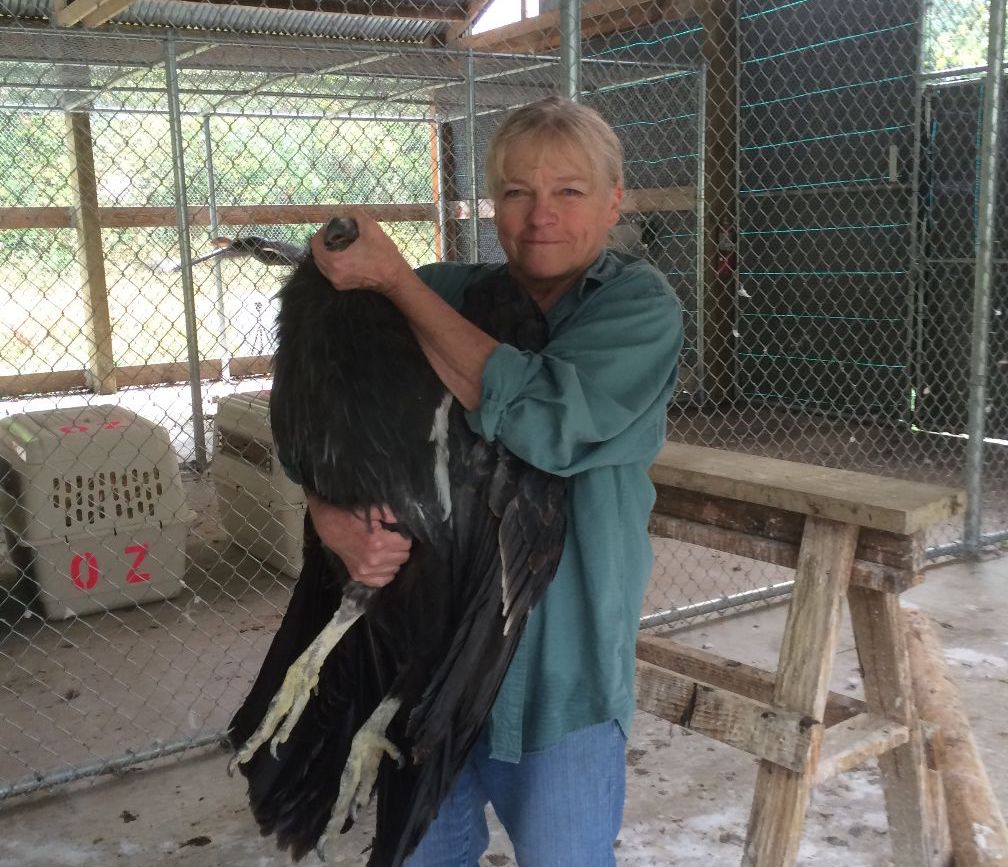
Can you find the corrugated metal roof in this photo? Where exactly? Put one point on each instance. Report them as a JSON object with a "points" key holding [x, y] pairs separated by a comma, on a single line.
{"points": [[252, 19]]}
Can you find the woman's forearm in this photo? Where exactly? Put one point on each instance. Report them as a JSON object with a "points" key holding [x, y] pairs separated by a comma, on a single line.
{"points": [[456, 349]]}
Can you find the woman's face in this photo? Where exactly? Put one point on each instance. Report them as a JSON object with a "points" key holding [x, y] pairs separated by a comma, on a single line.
{"points": [[553, 213]]}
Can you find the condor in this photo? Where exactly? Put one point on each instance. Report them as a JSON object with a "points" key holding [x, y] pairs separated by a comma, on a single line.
{"points": [[385, 690]]}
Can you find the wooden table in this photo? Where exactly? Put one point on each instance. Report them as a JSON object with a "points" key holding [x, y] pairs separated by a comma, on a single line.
{"points": [[845, 534]]}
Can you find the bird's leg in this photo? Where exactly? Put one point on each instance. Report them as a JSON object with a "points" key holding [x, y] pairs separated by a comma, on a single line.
{"points": [[299, 682], [361, 770]]}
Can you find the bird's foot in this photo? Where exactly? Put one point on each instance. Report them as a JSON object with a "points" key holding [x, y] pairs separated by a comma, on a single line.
{"points": [[360, 773], [286, 706]]}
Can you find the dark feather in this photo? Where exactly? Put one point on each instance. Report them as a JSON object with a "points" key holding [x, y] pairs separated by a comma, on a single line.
{"points": [[352, 410]]}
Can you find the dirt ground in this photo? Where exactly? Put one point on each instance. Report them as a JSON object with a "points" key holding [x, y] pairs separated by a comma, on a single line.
{"points": [[688, 797]]}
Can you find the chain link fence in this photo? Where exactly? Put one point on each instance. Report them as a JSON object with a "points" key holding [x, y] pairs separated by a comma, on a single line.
{"points": [[807, 174]]}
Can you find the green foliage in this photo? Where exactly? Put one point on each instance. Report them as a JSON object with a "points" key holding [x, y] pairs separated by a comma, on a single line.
{"points": [[955, 34], [256, 160]]}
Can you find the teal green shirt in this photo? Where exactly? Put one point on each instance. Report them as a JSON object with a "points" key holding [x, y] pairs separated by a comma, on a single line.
{"points": [[591, 407]]}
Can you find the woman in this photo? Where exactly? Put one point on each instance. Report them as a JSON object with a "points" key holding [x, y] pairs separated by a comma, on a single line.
{"points": [[590, 407]]}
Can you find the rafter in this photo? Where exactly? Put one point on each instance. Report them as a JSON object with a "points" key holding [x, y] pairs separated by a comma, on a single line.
{"points": [[90, 12], [476, 8]]}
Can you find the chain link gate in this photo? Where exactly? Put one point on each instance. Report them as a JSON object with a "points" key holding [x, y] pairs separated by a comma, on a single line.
{"points": [[805, 173]]}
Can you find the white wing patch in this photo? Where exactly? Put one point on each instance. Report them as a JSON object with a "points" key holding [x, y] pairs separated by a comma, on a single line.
{"points": [[439, 436]]}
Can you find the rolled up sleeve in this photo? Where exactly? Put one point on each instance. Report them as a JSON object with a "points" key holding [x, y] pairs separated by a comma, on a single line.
{"points": [[597, 394]]}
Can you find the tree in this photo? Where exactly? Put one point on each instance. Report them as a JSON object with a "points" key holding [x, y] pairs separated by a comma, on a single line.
{"points": [[955, 34]]}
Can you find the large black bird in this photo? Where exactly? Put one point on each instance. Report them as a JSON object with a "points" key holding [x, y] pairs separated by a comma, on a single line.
{"points": [[387, 689]]}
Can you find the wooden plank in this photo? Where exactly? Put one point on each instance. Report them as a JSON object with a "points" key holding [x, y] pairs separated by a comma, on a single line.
{"points": [[251, 365], [757, 728], [106, 10], [258, 215], [879, 502], [977, 830], [91, 256], [542, 33], [864, 573], [937, 819], [237, 215], [854, 741], [73, 12], [21, 384], [60, 381], [907, 553], [659, 199], [807, 651], [165, 373], [737, 677], [35, 218], [634, 201], [880, 637]]}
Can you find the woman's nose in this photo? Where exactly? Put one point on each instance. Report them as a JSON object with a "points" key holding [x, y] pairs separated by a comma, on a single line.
{"points": [[542, 210]]}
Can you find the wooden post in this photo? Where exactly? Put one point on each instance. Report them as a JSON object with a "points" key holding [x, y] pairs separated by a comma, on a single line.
{"points": [[976, 826], [885, 671], [99, 374], [802, 685], [720, 49], [449, 192], [436, 191]]}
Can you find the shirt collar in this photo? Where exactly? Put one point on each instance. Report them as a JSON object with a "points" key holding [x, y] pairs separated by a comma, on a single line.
{"points": [[604, 267]]}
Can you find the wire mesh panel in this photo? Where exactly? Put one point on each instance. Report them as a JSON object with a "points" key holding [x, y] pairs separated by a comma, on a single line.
{"points": [[804, 174], [823, 322], [949, 207], [100, 295]]}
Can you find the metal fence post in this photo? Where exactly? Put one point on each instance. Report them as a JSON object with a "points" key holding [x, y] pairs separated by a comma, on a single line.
{"points": [[984, 268], [471, 134], [185, 253], [222, 323], [570, 48], [701, 216]]}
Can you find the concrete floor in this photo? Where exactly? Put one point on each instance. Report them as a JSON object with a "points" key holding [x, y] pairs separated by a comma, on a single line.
{"points": [[688, 797]]}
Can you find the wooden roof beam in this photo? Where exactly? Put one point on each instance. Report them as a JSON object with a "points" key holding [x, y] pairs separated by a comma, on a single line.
{"points": [[91, 12], [476, 8]]}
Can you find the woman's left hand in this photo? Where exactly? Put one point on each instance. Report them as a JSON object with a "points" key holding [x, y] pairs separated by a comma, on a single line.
{"points": [[372, 262]]}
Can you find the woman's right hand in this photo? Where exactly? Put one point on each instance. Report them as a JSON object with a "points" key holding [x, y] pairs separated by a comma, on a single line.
{"points": [[371, 553]]}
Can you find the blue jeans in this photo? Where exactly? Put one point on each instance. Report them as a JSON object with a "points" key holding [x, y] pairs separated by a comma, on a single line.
{"points": [[561, 806]]}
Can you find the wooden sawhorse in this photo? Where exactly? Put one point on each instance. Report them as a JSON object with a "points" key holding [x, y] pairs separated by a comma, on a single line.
{"points": [[844, 533]]}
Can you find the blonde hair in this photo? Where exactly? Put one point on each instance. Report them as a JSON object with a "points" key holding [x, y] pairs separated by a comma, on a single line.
{"points": [[557, 121]]}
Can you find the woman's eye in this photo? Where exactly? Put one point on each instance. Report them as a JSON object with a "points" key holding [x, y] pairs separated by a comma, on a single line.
{"points": [[571, 191], [513, 193]]}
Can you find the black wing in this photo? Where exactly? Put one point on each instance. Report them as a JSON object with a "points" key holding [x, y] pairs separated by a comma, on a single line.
{"points": [[444, 632]]}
